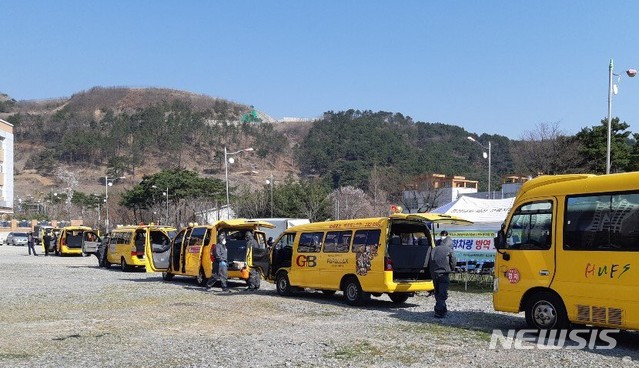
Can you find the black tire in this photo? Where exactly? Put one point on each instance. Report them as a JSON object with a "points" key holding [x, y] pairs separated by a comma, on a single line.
{"points": [[201, 278], [167, 276], [353, 293], [398, 298], [329, 292], [124, 266], [282, 284], [546, 311]]}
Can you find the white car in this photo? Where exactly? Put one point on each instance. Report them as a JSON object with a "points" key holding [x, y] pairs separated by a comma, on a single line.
{"points": [[17, 239]]}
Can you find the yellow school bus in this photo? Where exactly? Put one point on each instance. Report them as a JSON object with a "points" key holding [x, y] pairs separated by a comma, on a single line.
{"points": [[361, 257], [127, 244], [567, 252], [72, 238], [191, 251]]}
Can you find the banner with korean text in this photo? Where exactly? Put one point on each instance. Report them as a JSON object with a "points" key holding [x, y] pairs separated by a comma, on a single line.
{"points": [[473, 245]]}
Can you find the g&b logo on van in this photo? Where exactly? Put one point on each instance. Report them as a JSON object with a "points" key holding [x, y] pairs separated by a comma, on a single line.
{"points": [[306, 261]]}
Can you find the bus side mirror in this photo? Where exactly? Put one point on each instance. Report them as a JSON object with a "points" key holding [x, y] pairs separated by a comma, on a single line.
{"points": [[500, 240]]}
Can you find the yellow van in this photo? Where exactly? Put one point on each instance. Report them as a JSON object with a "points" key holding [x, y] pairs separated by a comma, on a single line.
{"points": [[72, 238], [191, 251], [127, 244], [361, 257]]}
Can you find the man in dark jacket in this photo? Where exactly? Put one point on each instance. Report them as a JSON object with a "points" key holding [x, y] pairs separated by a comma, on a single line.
{"points": [[442, 262], [220, 265]]}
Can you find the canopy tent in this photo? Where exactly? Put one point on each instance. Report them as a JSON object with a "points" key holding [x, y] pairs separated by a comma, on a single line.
{"points": [[485, 213], [475, 242]]}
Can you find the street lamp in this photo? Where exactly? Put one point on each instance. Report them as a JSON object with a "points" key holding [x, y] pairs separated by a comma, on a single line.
{"points": [[167, 201], [490, 155], [270, 182], [107, 184], [612, 89], [228, 160]]}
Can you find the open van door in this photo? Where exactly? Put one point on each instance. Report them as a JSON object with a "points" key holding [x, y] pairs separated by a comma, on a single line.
{"points": [[259, 258], [90, 243], [158, 252], [437, 218]]}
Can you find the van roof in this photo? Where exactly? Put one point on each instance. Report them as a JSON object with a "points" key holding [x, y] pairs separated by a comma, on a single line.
{"points": [[378, 221], [577, 184]]}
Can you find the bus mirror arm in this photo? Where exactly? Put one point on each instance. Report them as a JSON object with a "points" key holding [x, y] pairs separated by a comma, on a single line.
{"points": [[500, 243]]}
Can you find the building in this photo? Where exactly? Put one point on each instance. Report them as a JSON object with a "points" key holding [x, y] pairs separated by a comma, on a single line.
{"points": [[6, 167], [434, 190]]}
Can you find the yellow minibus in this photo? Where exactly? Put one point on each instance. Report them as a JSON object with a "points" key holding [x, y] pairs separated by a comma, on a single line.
{"points": [[72, 238], [191, 251], [361, 257], [567, 252], [127, 244]]}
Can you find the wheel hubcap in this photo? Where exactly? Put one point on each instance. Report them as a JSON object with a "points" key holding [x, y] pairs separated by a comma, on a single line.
{"points": [[283, 284], [351, 291], [544, 314]]}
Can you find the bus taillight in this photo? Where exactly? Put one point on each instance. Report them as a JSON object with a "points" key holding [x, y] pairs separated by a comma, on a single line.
{"points": [[388, 264]]}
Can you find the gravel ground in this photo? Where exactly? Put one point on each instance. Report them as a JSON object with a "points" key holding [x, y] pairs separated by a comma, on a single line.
{"points": [[67, 312]]}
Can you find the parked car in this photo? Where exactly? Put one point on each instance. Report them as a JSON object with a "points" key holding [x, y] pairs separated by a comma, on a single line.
{"points": [[17, 239]]}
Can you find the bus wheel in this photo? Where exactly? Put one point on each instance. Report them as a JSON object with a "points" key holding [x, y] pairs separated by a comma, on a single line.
{"points": [[328, 292], [166, 276], [201, 277], [546, 311], [282, 284], [398, 298], [123, 265], [353, 293]]}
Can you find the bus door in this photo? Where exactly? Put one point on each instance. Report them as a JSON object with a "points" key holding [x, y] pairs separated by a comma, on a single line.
{"points": [[158, 252], [527, 260], [258, 257], [194, 246], [282, 253]]}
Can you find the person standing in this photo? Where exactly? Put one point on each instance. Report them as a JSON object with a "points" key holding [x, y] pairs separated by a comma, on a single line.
{"points": [[220, 265], [253, 281], [442, 262], [31, 244], [46, 240]]}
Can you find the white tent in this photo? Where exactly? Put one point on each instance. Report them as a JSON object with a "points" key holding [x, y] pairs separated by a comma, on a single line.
{"points": [[478, 210]]}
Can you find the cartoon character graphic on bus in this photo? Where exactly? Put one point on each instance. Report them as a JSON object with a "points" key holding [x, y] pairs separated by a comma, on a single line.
{"points": [[363, 256]]}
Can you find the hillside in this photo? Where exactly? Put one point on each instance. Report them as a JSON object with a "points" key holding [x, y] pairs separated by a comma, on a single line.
{"points": [[71, 143]]}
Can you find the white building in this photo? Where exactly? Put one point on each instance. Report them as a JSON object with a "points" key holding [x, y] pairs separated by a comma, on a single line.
{"points": [[6, 167]]}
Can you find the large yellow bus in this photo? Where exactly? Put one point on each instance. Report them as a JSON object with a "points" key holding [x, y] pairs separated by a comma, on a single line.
{"points": [[568, 252], [361, 257]]}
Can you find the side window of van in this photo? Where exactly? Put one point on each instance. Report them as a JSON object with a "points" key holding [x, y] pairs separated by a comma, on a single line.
{"points": [[310, 242], [337, 241], [286, 241], [197, 236], [364, 238]]}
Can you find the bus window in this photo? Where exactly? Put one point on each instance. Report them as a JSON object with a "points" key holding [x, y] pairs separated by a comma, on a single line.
{"points": [[310, 242], [602, 222], [337, 241], [531, 227]]}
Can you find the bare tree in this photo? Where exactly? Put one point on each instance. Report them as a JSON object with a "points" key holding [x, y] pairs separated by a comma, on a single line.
{"points": [[378, 194], [350, 202], [546, 150]]}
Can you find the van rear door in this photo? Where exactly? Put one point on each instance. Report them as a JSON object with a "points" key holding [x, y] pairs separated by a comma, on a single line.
{"points": [[90, 243], [158, 252], [437, 218]]}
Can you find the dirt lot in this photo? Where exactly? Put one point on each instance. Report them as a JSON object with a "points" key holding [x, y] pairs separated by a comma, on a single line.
{"points": [[66, 312]]}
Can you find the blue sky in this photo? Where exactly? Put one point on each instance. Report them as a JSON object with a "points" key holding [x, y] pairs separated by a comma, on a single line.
{"points": [[499, 67]]}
